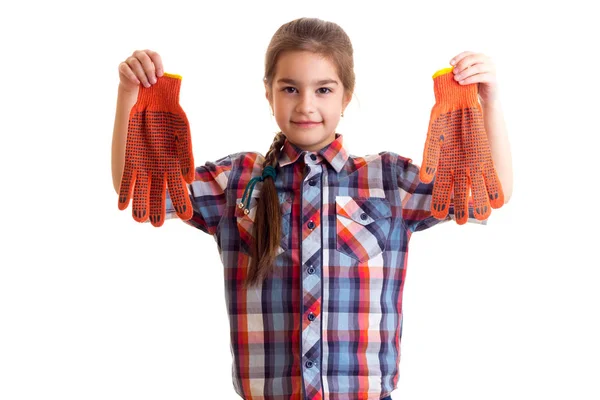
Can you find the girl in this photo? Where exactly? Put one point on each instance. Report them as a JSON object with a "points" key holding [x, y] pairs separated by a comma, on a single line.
{"points": [[313, 241]]}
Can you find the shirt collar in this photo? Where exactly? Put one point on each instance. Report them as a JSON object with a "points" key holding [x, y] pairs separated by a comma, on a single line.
{"points": [[334, 153]]}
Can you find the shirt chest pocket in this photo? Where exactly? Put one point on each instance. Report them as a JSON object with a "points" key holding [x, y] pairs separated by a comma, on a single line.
{"points": [[245, 222], [362, 226]]}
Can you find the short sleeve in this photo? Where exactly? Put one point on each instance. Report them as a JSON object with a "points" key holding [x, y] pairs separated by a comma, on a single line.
{"points": [[207, 194], [416, 199]]}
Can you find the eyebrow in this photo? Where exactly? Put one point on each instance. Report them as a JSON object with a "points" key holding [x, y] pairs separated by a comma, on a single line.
{"points": [[293, 82]]}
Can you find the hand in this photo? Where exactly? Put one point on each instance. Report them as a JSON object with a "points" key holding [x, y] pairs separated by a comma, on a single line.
{"points": [[477, 68], [458, 154], [142, 67], [158, 153]]}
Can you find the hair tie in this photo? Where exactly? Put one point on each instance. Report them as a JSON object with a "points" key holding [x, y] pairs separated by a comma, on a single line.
{"points": [[267, 171]]}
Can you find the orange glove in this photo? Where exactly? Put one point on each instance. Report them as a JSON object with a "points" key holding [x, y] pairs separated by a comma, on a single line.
{"points": [[158, 152], [457, 152]]}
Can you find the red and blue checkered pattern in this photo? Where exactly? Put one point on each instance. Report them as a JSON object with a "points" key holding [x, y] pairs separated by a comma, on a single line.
{"points": [[328, 323]]}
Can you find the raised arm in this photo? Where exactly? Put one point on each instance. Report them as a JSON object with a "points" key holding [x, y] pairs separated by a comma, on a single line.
{"points": [[495, 128]]}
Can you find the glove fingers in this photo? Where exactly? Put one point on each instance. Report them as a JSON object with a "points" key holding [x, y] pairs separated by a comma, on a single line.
{"points": [[183, 141], [126, 181], [480, 155], [442, 187], [479, 160], [446, 174], [140, 197], [157, 198], [132, 156], [461, 197], [179, 195], [481, 204], [494, 187], [431, 152]]}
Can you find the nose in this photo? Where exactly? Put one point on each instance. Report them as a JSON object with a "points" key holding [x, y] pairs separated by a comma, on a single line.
{"points": [[305, 103]]}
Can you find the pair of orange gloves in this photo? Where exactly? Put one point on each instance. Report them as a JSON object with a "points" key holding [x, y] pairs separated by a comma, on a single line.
{"points": [[159, 153]]}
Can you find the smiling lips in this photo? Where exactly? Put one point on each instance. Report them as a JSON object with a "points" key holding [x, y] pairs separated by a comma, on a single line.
{"points": [[306, 124]]}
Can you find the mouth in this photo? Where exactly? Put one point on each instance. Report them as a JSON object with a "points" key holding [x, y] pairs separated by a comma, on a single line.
{"points": [[306, 124]]}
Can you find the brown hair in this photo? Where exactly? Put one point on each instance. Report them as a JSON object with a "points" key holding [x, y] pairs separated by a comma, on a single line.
{"points": [[330, 41]]}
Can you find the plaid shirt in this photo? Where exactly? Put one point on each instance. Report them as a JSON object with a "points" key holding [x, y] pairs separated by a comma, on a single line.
{"points": [[328, 323]]}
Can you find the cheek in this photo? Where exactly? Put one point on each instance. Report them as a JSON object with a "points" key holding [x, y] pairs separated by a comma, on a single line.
{"points": [[333, 116], [281, 112], [281, 103], [281, 118]]}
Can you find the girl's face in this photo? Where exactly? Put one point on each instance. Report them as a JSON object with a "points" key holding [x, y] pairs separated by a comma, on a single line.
{"points": [[306, 88]]}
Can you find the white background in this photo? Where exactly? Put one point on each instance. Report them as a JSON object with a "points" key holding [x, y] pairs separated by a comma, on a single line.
{"points": [[94, 305]]}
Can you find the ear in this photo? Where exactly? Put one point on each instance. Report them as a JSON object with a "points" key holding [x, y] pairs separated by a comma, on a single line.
{"points": [[346, 100], [268, 95]]}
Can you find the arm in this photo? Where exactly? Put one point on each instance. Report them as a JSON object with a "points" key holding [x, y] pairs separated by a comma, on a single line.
{"points": [[125, 101], [500, 147]]}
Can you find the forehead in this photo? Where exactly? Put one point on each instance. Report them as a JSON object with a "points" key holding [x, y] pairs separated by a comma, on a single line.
{"points": [[304, 67]]}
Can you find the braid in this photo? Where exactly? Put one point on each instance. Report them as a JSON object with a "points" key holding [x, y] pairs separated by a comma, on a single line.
{"points": [[273, 154], [267, 232]]}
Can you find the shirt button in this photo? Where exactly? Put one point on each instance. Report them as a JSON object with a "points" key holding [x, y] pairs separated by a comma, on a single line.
{"points": [[311, 224], [311, 317], [313, 157], [312, 182], [363, 216], [311, 270], [309, 364]]}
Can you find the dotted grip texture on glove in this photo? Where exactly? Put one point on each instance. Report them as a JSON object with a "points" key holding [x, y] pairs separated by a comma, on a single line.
{"points": [[458, 154], [158, 153]]}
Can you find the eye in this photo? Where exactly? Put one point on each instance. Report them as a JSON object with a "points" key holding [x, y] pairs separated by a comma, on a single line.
{"points": [[327, 90]]}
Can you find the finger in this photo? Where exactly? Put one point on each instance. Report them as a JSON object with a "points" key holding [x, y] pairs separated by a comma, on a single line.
{"points": [[157, 61], [442, 187], [138, 70], [457, 58], [179, 194], [493, 186], [157, 198], [431, 152], [461, 197], [141, 196], [148, 64], [478, 78], [128, 178], [481, 204], [468, 61], [474, 69], [130, 168], [477, 67], [128, 73], [184, 148]]}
